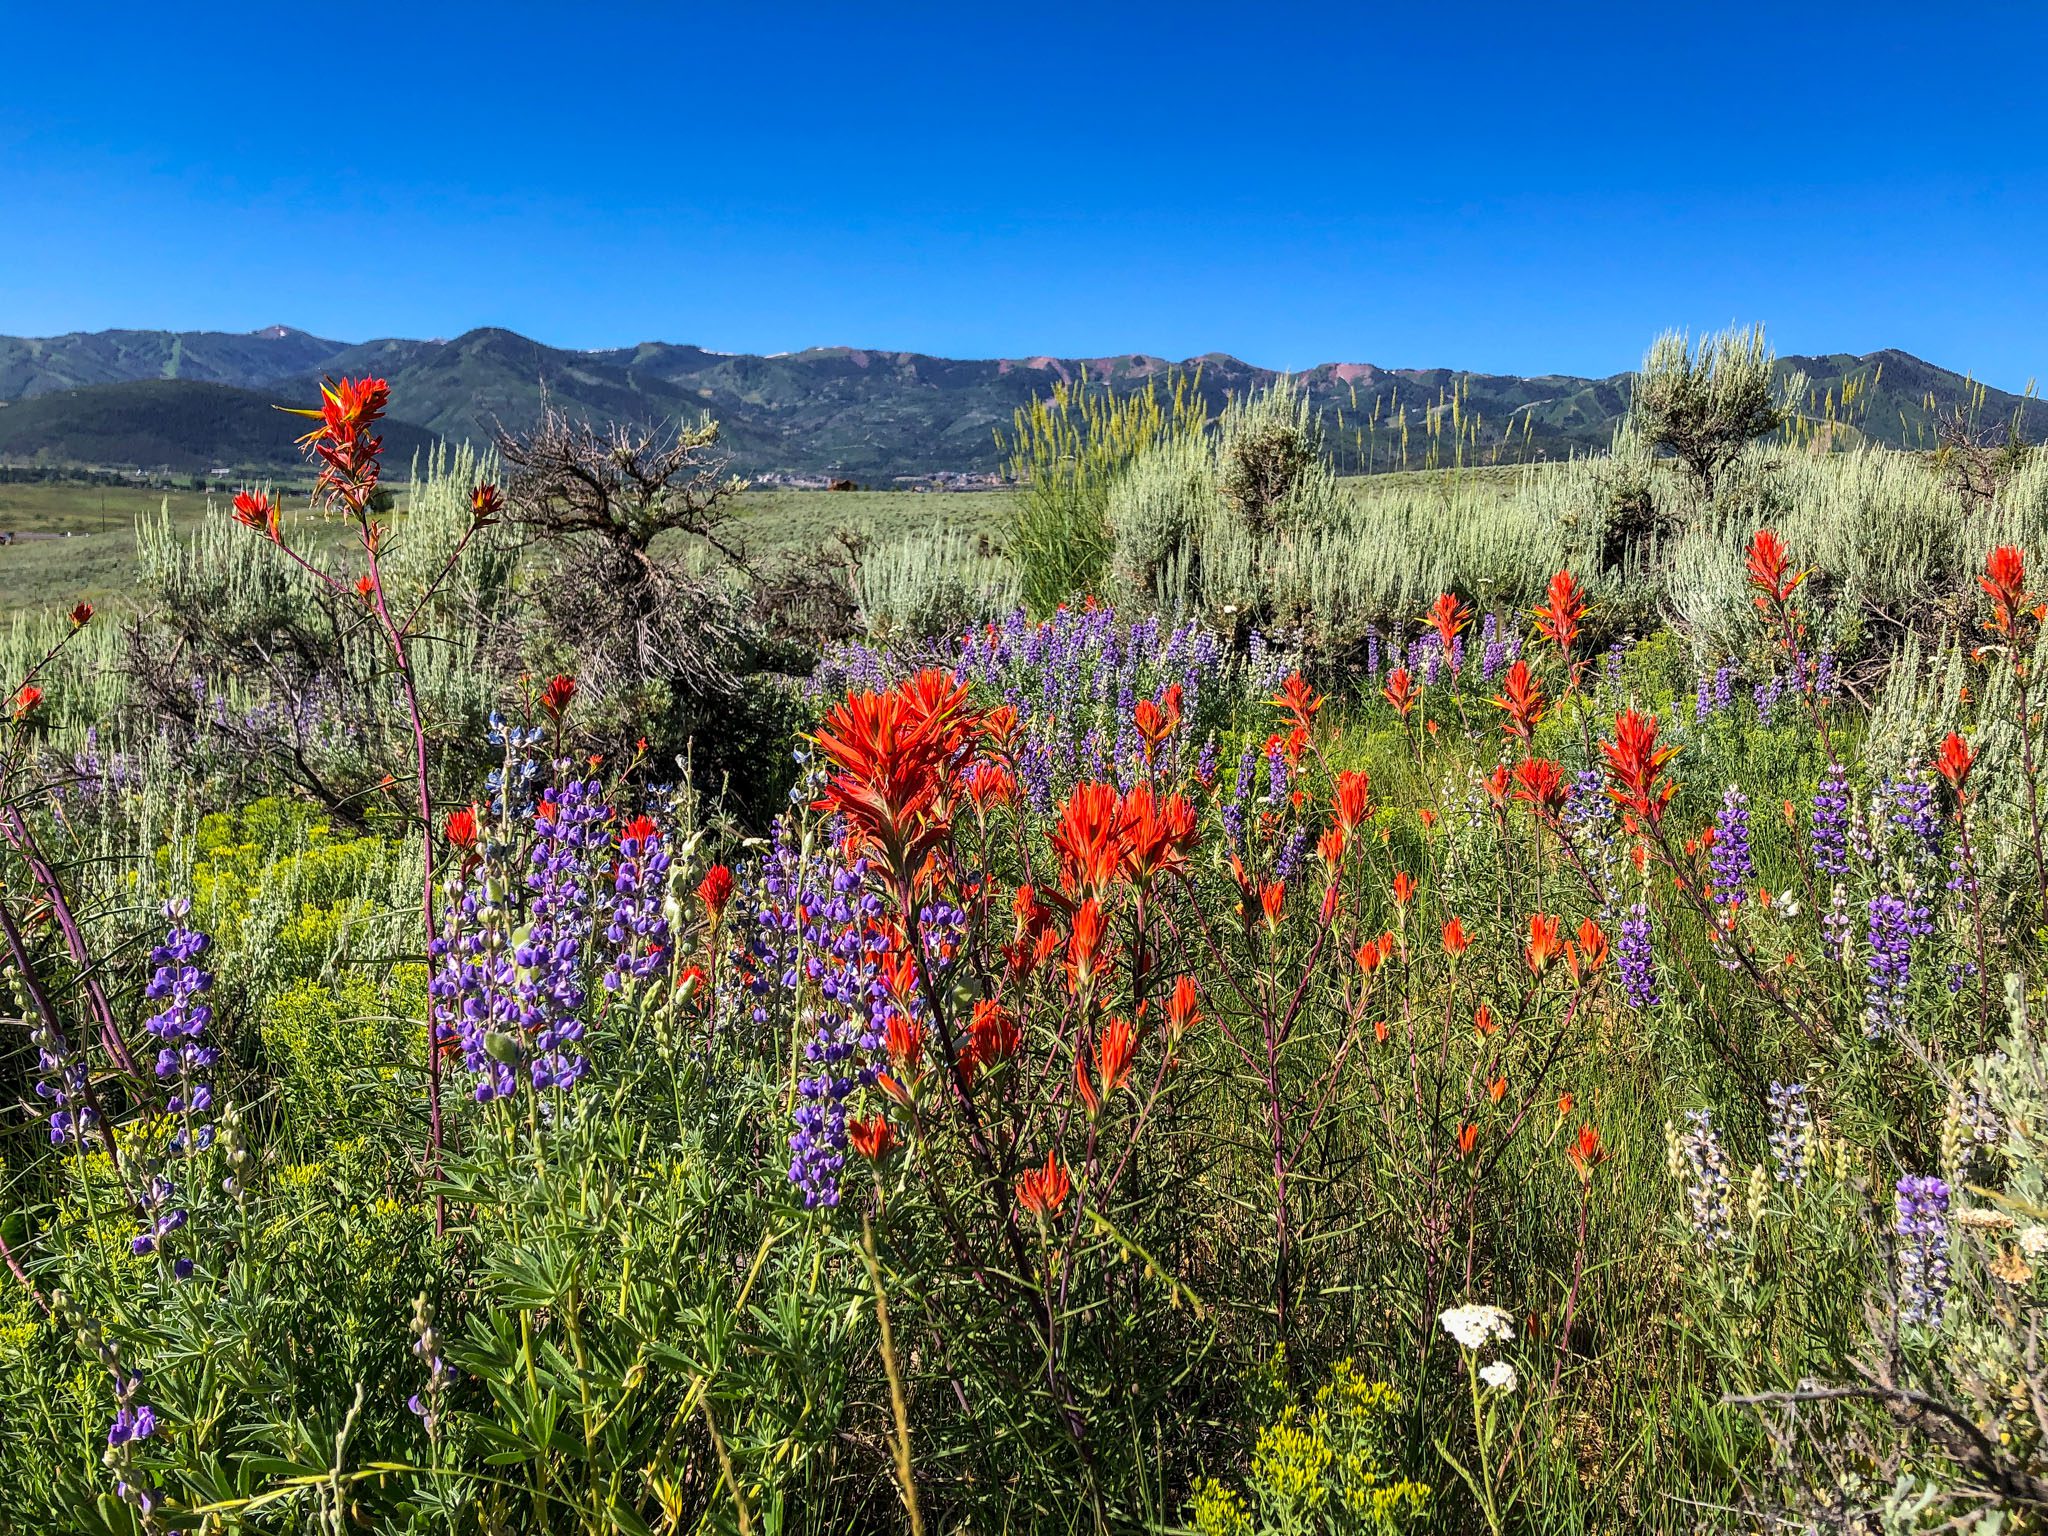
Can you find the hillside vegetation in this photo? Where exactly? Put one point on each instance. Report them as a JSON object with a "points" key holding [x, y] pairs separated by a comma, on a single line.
{"points": [[1206, 998], [873, 415]]}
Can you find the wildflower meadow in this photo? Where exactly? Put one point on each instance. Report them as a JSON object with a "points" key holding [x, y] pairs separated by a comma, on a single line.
{"points": [[1262, 1004]]}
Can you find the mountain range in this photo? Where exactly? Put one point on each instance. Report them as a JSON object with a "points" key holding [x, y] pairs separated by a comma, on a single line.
{"points": [[190, 400]]}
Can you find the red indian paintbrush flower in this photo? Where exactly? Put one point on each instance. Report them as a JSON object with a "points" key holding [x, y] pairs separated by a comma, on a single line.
{"points": [[1156, 834], [904, 1041], [1353, 798], [1118, 1046], [557, 696], [1042, 1191], [2005, 582], [1299, 700], [1404, 887], [1181, 1010], [26, 698], [1272, 898], [1084, 945], [460, 828], [1635, 765], [994, 1032], [1089, 839], [894, 752], [255, 509], [81, 615], [1468, 1138], [1585, 958], [1448, 617], [1456, 940], [873, 1138], [1546, 941], [1156, 722], [1954, 762], [343, 443], [1540, 785], [1483, 1021], [1770, 570], [1586, 1152], [1564, 605], [715, 890], [1521, 696], [1401, 691], [484, 504], [990, 784]]}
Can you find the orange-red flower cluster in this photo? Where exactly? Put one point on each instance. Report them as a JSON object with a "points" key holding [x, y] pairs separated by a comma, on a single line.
{"points": [[255, 509], [1635, 766], [1563, 606], [343, 443], [1103, 836], [895, 753], [2005, 582], [1521, 696], [1770, 570], [1401, 692], [1042, 1191]]}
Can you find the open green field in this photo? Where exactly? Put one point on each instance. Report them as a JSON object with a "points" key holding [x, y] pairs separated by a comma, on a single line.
{"points": [[72, 541]]}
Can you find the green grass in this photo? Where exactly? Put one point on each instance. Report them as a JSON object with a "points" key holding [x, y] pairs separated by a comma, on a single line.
{"points": [[76, 541]]}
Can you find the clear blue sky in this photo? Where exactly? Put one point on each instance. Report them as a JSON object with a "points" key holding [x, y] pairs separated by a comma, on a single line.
{"points": [[1515, 188]]}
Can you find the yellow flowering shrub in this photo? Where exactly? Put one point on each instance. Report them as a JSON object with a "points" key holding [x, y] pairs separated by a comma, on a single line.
{"points": [[1323, 1471]]}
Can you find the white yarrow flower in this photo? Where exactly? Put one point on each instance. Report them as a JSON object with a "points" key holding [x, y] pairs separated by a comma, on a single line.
{"points": [[1474, 1323], [2034, 1242], [1499, 1375]]}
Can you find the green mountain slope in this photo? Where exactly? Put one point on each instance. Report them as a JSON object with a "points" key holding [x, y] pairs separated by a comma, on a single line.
{"points": [[874, 415], [182, 425]]}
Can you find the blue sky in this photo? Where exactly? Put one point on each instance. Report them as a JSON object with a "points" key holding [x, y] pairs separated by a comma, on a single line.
{"points": [[1510, 188]]}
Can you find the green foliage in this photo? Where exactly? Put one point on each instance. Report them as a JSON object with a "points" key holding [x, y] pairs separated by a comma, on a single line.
{"points": [[1707, 403], [1326, 1471], [1065, 452]]}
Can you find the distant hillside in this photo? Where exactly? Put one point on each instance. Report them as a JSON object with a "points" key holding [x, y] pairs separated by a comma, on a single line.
{"points": [[182, 425], [871, 415]]}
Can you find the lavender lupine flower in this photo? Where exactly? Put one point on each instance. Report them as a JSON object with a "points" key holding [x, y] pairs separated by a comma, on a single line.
{"points": [[1276, 776], [834, 947], [1234, 811], [1894, 922], [474, 984], [570, 829], [158, 1209], [1824, 676], [1915, 812], [1587, 802], [638, 929], [180, 985], [430, 1402], [134, 1422], [1288, 860], [1493, 654], [1637, 961], [514, 775], [1922, 1231], [1767, 694], [1729, 857], [1372, 652], [1703, 700], [1612, 663], [1791, 1133], [1701, 1165], [61, 1080], [1831, 822], [1834, 925]]}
